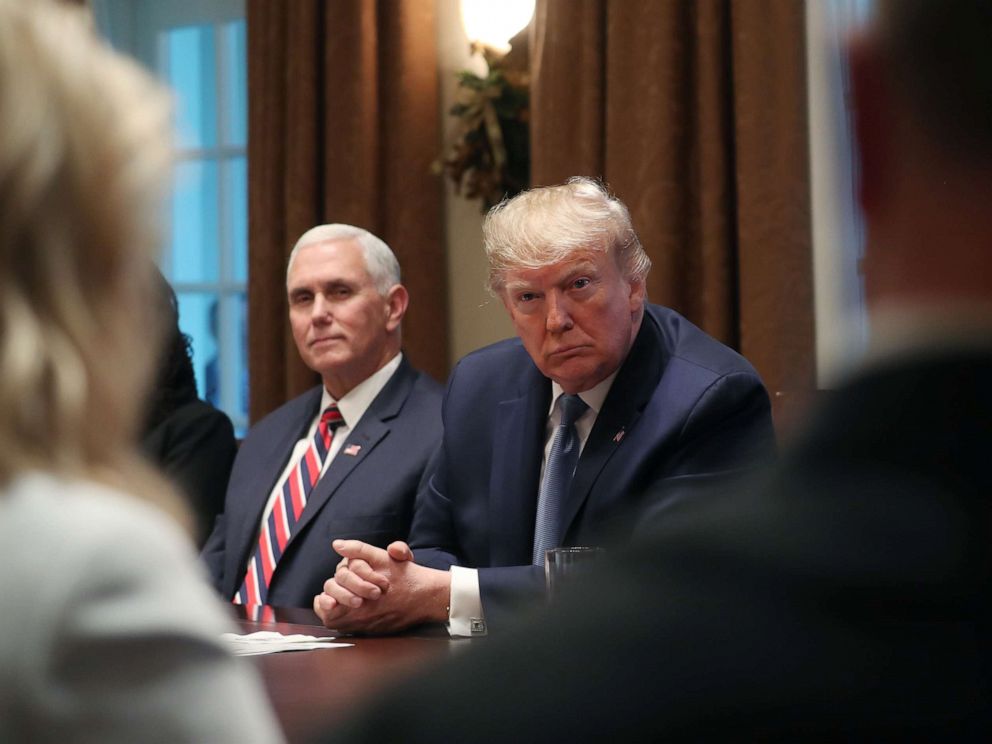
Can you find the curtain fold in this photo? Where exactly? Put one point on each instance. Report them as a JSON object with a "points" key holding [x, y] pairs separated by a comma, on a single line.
{"points": [[343, 127], [694, 113]]}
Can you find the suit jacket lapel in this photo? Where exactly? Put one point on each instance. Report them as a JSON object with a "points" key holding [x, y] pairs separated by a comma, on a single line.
{"points": [[516, 469], [369, 431], [630, 393], [272, 462]]}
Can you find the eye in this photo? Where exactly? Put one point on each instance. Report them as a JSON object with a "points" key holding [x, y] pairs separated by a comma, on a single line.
{"points": [[526, 297], [581, 283], [341, 292], [300, 298]]}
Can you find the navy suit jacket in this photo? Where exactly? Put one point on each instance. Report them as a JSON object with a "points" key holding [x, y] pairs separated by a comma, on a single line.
{"points": [[683, 410], [368, 496]]}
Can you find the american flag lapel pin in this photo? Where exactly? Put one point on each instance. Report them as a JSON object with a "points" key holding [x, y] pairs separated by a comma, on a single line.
{"points": [[353, 449], [619, 436]]}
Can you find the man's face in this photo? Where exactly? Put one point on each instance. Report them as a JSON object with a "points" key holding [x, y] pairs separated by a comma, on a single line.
{"points": [[577, 318], [341, 324]]}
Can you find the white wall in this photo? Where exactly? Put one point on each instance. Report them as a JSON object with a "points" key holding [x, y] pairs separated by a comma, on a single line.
{"points": [[840, 315], [475, 317]]}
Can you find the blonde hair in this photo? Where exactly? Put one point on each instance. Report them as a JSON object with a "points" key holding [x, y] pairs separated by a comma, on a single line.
{"points": [[546, 225], [84, 160]]}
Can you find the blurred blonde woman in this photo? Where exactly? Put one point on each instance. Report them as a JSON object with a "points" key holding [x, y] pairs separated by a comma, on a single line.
{"points": [[106, 632]]}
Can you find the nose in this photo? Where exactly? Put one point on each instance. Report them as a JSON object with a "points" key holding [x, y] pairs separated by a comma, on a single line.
{"points": [[321, 309], [558, 318]]}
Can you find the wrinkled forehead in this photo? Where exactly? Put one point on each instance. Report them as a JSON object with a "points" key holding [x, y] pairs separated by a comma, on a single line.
{"points": [[577, 262], [559, 257]]}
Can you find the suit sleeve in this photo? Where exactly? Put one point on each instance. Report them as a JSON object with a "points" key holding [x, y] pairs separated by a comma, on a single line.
{"points": [[432, 533], [200, 462], [727, 433], [212, 554]]}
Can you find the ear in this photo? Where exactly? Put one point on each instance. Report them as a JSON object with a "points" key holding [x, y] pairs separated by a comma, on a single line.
{"points": [[638, 291], [397, 301], [873, 112]]}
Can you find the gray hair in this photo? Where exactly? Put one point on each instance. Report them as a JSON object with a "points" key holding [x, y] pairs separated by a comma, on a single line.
{"points": [[380, 261], [546, 225]]}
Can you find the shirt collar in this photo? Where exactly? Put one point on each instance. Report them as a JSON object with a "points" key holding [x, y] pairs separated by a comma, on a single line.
{"points": [[356, 401], [593, 397]]}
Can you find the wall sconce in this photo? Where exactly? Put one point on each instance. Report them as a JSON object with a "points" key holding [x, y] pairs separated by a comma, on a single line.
{"points": [[493, 23], [490, 156]]}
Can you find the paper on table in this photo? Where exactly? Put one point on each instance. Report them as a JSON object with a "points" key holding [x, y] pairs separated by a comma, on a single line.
{"points": [[271, 642]]}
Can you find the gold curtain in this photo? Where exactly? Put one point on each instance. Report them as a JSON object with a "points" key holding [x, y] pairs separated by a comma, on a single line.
{"points": [[694, 113], [343, 127]]}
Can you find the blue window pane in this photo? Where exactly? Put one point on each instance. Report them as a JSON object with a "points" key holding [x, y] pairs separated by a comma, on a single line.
{"points": [[191, 72], [241, 358], [198, 319], [194, 255], [237, 191], [235, 86]]}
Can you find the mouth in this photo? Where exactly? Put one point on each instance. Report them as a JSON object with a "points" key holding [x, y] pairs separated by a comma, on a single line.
{"points": [[563, 352], [325, 341]]}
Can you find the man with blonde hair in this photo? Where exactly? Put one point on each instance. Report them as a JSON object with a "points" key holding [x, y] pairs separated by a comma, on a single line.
{"points": [[343, 459], [845, 597], [552, 438]]}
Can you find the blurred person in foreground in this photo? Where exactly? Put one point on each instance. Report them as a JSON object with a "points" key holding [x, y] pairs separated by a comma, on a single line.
{"points": [[847, 596], [553, 437], [188, 438], [109, 633]]}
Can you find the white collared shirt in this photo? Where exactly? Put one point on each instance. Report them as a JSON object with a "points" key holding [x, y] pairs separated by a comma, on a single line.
{"points": [[465, 616], [353, 406], [583, 424]]}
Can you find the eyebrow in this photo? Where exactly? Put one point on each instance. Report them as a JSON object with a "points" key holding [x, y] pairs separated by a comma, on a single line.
{"points": [[585, 267], [323, 286]]}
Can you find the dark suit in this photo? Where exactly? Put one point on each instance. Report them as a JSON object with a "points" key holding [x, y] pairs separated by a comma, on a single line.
{"points": [[843, 596], [194, 444], [683, 410], [368, 496]]}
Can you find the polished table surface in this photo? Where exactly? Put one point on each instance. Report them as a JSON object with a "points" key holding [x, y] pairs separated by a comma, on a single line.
{"points": [[312, 690]]}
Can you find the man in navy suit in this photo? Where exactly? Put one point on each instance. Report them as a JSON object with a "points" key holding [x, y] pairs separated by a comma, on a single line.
{"points": [[664, 408], [845, 595], [346, 304]]}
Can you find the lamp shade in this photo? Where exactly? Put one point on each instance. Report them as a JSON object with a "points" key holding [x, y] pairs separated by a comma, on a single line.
{"points": [[493, 22]]}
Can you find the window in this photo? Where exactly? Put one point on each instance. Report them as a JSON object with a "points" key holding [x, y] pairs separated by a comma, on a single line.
{"points": [[838, 229], [198, 49]]}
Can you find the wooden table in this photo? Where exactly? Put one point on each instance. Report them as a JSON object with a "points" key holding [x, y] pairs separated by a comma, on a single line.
{"points": [[311, 690]]}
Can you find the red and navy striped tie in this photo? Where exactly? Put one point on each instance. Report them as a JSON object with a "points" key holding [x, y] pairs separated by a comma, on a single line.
{"points": [[279, 527]]}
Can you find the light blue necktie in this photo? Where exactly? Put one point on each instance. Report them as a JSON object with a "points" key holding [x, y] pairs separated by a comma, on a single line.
{"points": [[557, 476]]}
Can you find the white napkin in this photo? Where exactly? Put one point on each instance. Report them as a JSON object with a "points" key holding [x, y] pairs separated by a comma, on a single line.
{"points": [[271, 642]]}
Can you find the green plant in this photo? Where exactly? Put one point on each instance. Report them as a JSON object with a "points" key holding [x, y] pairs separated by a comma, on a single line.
{"points": [[489, 158]]}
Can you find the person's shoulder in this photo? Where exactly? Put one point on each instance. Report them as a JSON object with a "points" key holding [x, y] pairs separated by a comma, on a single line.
{"points": [[302, 407], [74, 514], [499, 358], [96, 541], [425, 386], [418, 398], [197, 419], [690, 345], [198, 409]]}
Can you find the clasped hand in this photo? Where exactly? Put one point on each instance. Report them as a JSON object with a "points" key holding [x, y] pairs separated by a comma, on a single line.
{"points": [[381, 591]]}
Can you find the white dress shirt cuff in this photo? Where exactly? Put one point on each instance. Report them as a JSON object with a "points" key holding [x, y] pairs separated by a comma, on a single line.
{"points": [[465, 616]]}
